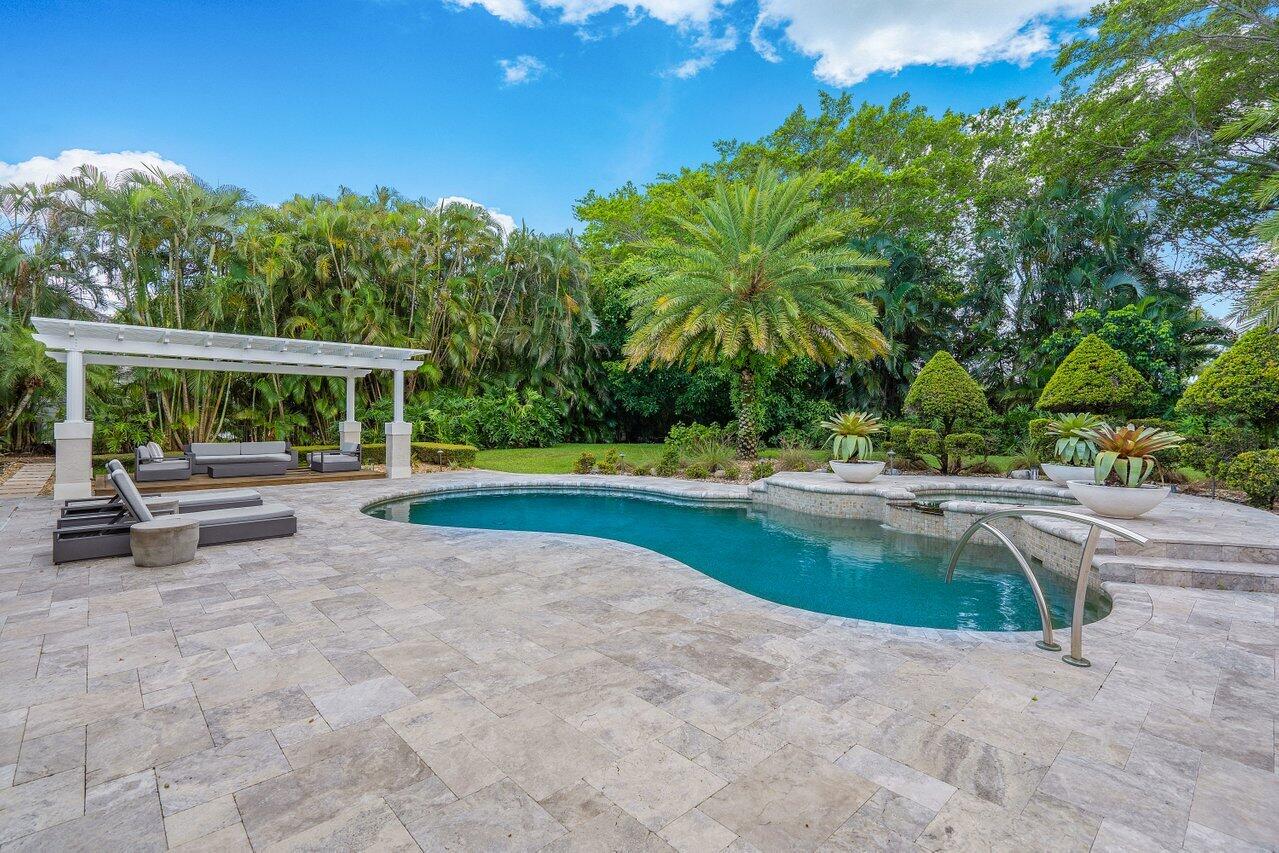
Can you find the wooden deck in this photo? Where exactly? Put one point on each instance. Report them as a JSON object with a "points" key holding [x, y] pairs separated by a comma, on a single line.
{"points": [[296, 477]]}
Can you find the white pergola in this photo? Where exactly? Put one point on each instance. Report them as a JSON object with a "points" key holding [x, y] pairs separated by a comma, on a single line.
{"points": [[77, 343]]}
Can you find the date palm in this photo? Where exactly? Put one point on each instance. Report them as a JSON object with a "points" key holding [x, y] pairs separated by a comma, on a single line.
{"points": [[754, 275]]}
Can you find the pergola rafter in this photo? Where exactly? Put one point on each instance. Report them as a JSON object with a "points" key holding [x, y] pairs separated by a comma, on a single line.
{"points": [[77, 343]]}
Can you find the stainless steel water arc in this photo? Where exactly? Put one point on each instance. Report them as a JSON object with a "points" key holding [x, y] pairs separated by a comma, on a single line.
{"points": [[1095, 526]]}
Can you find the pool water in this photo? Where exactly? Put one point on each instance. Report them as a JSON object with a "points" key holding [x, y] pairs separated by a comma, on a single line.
{"points": [[841, 567]]}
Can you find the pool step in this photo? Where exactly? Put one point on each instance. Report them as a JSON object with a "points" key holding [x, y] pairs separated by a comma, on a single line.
{"points": [[1183, 572]]}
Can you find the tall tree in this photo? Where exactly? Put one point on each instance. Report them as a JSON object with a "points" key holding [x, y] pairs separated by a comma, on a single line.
{"points": [[754, 275]]}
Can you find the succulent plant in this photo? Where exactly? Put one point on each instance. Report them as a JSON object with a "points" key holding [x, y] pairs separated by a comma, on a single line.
{"points": [[850, 435], [1073, 432], [1126, 456]]}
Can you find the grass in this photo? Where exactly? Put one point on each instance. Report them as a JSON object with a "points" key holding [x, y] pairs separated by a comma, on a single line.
{"points": [[560, 458]]}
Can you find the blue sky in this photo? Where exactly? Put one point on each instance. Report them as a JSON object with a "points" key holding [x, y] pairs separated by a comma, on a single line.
{"points": [[308, 96]]}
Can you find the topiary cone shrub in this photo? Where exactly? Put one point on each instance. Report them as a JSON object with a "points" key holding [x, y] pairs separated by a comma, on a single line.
{"points": [[1096, 377], [943, 391], [1241, 385]]}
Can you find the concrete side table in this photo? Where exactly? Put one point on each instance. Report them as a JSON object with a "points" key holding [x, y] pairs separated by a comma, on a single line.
{"points": [[165, 541]]}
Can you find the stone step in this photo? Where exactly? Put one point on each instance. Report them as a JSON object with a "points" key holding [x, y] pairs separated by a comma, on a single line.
{"points": [[1242, 576]]}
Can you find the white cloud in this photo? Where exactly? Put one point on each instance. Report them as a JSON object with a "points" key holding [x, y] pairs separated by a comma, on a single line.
{"points": [[42, 170], [511, 11], [681, 13], [504, 222], [852, 39], [522, 69], [707, 49]]}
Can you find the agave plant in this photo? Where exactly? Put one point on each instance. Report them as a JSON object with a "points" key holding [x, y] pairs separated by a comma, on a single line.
{"points": [[1074, 437], [1126, 456], [850, 435]]}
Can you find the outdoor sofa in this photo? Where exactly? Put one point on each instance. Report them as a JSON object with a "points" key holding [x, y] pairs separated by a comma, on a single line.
{"points": [[348, 457], [217, 526], [241, 459], [150, 465]]}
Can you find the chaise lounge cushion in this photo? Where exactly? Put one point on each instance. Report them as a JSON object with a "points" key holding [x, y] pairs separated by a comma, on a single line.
{"points": [[244, 513]]}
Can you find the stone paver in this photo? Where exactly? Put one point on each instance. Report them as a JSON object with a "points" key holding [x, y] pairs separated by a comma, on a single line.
{"points": [[369, 684]]}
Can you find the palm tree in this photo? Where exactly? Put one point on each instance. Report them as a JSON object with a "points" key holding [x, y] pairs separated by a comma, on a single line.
{"points": [[754, 275]]}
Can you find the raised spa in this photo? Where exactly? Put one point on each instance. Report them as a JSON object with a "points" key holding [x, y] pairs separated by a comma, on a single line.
{"points": [[841, 567]]}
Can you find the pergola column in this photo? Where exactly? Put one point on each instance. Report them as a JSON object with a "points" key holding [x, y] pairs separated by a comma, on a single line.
{"points": [[73, 438], [349, 432], [399, 435]]}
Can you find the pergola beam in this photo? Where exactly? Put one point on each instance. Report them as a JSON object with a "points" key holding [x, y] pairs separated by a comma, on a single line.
{"points": [[211, 364], [299, 356]]}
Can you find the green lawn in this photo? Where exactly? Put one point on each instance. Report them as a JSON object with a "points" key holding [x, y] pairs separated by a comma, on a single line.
{"points": [[560, 458]]}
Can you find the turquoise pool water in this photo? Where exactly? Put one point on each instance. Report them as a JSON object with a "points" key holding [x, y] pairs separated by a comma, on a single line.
{"points": [[837, 566]]}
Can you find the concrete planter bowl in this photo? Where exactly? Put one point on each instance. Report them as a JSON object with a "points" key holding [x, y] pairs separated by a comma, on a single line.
{"points": [[1062, 474], [1117, 501], [856, 472]]}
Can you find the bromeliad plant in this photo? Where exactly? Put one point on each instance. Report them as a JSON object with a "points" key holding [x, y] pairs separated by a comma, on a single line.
{"points": [[850, 435], [1073, 431], [1126, 456]]}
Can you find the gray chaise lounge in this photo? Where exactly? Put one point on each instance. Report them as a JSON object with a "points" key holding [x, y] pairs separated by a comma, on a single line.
{"points": [[241, 524], [82, 511], [241, 459], [348, 457], [150, 465]]}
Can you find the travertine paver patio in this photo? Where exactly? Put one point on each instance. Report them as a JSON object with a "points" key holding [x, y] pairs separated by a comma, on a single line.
{"points": [[373, 684]]}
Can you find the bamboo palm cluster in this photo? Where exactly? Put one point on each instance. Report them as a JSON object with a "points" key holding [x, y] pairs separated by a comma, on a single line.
{"points": [[497, 310]]}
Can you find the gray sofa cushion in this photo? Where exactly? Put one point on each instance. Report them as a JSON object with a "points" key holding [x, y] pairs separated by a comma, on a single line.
{"points": [[200, 450], [264, 457], [245, 513], [213, 458], [144, 453], [167, 465], [157, 453], [349, 447], [257, 448]]}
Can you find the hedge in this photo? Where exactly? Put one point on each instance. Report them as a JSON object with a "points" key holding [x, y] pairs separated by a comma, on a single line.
{"points": [[460, 455], [944, 391], [1096, 377]]}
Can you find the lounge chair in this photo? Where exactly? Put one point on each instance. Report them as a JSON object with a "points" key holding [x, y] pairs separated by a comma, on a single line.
{"points": [[150, 465], [348, 457], [218, 526], [81, 511]]}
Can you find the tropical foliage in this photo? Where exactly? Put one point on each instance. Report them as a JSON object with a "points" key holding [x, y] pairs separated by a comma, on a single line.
{"points": [[1073, 431], [850, 435], [752, 277], [513, 313], [1126, 455]]}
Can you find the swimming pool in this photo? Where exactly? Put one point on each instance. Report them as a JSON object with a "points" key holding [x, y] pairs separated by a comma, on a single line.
{"points": [[841, 567]]}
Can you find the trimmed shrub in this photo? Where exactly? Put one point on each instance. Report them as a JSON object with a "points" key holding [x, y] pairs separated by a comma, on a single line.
{"points": [[964, 445], [1241, 385], [731, 471], [695, 472], [609, 463], [585, 464], [1096, 377], [924, 441], [1040, 440], [944, 392], [761, 470], [899, 443], [668, 462], [1256, 474]]}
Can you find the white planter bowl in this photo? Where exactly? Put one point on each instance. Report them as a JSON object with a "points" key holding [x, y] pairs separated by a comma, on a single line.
{"points": [[1117, 501], [1061, 474], [856, 472]]}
